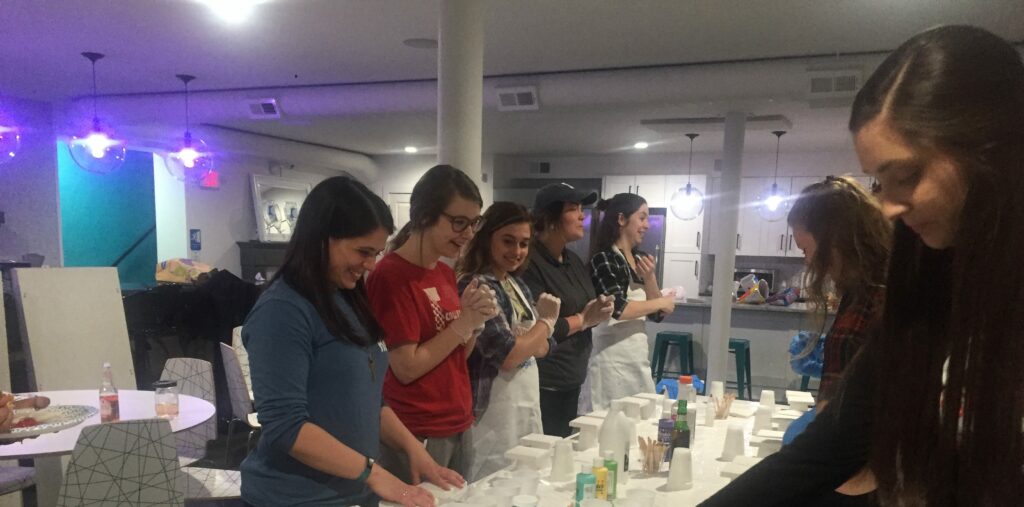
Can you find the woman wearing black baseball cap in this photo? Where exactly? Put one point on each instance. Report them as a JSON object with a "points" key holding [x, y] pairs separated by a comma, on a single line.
{"points": [[554, 269]]}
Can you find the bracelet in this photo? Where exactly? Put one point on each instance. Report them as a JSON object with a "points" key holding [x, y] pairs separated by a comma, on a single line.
{"points": [[366, 472]]}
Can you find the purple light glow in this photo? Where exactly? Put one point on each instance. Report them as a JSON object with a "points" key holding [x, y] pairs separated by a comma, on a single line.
{"points": [[10, 142]]}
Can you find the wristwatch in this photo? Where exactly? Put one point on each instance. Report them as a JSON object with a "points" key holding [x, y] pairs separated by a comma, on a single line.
{"points": [[366, 473]]}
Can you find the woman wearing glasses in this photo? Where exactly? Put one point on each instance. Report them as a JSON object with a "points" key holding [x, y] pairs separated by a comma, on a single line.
{"points": [[428, 328]]}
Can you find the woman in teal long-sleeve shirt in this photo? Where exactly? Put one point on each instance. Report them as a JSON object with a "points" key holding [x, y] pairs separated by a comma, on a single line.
{"points": [[318, 367]]}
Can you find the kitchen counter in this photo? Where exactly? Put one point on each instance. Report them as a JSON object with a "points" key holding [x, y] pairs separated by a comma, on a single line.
{"points": [[769, 329], [706, 303]]}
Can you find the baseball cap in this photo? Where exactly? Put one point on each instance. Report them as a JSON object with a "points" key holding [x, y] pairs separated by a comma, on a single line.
{"points": [[563, 192]]}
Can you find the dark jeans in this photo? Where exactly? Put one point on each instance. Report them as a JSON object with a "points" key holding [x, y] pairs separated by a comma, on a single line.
{"points": [[557, 409]]}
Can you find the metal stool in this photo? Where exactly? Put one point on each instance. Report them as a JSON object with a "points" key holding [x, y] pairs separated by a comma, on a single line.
{"points": [[684, 346], [744, 380]]}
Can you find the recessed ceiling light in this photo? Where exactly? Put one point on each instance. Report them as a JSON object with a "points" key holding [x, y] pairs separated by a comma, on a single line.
{"points": [[232, 11], [640, 145], [420, 43], [411, 149]]}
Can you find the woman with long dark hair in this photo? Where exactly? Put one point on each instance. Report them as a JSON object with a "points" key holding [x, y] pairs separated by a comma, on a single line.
{"points": [[934, 404], [428, 328], [620, 364], [502, 369], [554, 269], [317, 364]]}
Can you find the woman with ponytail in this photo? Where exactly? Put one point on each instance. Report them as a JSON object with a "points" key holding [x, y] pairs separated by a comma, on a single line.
{"points": [[429, 329], [620, 363]]}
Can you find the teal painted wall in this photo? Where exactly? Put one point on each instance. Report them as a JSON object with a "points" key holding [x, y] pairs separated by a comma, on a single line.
{"points": [[103, 215]]}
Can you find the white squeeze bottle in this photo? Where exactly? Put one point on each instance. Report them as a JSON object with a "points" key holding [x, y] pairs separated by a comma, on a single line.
{"points": [[109, 408]]}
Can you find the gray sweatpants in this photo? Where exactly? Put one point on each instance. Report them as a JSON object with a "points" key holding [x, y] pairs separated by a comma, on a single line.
{"points": [[450, 452]]}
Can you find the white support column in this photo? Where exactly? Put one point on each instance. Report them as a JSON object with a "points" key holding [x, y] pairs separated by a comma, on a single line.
{"points": [[460, 72], [725, 260]]}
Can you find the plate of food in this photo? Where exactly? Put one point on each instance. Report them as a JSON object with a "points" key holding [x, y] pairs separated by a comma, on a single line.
{"points": [[34, 416]]}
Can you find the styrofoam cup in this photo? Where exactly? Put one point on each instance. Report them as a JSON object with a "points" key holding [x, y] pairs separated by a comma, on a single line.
{"points": [[734, 445], [680, 473]]}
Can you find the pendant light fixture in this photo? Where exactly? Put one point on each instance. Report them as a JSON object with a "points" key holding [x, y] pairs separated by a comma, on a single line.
{"points": [[687, 203], [97, 151], [773, 204], [192, 162], [10, 139]]}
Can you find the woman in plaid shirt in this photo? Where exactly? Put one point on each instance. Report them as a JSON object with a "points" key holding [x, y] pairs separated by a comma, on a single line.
{"points": [[502, 369], [845, 239], [620, 364]]}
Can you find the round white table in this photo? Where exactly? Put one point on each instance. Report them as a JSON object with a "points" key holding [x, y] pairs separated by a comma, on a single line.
{"points": [[47, 449]]}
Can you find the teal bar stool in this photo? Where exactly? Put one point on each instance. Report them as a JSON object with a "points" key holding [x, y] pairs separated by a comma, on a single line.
{"points": [[805, 381], [744, 380], [683, 342]]}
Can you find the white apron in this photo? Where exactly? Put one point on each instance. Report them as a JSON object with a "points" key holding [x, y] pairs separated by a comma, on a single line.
{"points": [[620, 363], [512, 413]]}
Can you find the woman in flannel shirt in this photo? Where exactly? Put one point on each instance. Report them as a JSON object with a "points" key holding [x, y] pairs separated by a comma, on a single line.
{"points": [[502, 370], [620, 363], [845, 239]]}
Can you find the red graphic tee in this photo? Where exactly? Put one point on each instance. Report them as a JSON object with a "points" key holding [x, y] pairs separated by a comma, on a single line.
{"points": [[414, 304]]}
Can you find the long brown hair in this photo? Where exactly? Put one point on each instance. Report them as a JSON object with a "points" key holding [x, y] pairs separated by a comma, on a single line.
{"points": [[958, 91], [434, 191], [853, 237], [337, 208], [477, 258]]}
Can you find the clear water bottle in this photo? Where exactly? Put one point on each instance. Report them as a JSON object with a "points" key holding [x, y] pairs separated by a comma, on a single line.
{"points": [[109, 408]]}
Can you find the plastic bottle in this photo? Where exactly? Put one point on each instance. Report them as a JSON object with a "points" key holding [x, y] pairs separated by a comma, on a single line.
{"points": [[680, 437], [611, 436], [600, 478], [586, 485], [109, 408], [613, 474], [665, 426]]}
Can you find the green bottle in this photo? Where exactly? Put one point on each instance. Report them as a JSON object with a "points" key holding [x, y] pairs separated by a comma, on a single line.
{"points": [[613, 473]]}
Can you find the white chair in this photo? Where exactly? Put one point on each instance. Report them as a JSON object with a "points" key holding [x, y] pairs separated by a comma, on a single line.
{"points": [[123, 463], [243, 357], [194, 378], [241, 404]]}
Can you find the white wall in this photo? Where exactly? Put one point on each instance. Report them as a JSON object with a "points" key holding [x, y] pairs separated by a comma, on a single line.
{"points": [[399, 173], [29, 192], [171, 228], [226, 215]]}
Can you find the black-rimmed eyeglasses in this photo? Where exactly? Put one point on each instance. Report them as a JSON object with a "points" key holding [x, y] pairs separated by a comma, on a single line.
{"points": [[460, 224]]}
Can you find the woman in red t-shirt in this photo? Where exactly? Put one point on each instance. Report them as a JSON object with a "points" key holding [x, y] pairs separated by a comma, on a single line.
{"points": [[428, 328]]}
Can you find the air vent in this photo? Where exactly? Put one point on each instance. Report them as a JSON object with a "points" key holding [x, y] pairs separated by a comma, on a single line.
{"points": [[540, 168], [523, 98], [833, 84], [264, 109]]}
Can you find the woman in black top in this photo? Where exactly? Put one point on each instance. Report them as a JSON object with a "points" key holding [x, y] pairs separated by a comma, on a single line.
{"points": [[940, 125], [554, 269]]}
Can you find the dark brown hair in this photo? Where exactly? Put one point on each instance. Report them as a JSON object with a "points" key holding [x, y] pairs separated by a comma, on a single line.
{"points": [[337, 208], [620, 204], [434, 191], [477, 258], [851, 233], [956, 91]]}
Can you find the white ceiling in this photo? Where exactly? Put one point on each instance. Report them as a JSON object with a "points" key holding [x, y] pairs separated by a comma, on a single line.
{"points": [[310, 42]]}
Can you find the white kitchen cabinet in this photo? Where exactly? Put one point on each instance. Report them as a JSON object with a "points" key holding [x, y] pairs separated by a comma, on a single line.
{"points": [[617, 185], [682, 270], [650, 187], [748, 230], [684, 236], [773, 236]]}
